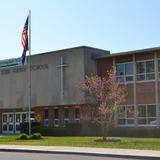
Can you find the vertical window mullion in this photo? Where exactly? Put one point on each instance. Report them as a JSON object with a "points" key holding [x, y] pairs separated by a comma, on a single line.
{"points": [[124, 70], [145, 70], [146, 114]]}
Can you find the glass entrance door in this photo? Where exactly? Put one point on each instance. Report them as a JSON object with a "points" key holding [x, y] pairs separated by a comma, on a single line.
{"points": [[8, 123], [20, 117], [11, 122]]}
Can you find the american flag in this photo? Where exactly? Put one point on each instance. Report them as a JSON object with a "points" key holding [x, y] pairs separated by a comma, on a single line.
{"points": [[24, 40]]}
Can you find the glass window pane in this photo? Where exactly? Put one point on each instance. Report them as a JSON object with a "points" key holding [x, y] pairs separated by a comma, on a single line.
{"points": [[46, 113], [120, 69], [17, 117], [121, 111], [142, 121], [151, 109], [10, 117], [10, 127], [149, 66], [141, 111], [4, 118], [120, 78], [130, 121], [130, 111], [141, 77], [17, 127], [77, 113], [152, 121], [140, 67], [56, 114], [4, 127], [24, 117], [158, 65], [121, 121], [66, 113], [66, 121], [128, 68], [56, 123], [150, 76], [129, 78]]}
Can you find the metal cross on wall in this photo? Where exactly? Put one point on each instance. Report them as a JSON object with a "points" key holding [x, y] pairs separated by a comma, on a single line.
{"points": [[61, 66]]}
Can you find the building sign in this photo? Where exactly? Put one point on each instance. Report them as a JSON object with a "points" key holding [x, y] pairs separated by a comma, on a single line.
{"points": [[38, 118], [22, 68], [10, 63]]}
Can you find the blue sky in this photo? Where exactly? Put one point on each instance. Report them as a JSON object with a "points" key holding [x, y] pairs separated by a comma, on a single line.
{"points": [[115, 25]]}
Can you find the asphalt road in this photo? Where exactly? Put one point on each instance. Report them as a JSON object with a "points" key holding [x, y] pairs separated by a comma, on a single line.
{"points": [[44, 156]]}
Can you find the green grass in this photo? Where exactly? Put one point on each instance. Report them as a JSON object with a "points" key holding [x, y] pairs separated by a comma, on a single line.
{"points": [[129, 143]]}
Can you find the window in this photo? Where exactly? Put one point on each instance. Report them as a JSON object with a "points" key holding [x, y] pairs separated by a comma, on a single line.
{"points": [[147, 114], [145, 70], [24, 117], [77, 115], [159, 68], [46, 113], [45, 116], [56, 117], [126, 115], [66, 113], [124, 72], [56, 114], [66, 116]]}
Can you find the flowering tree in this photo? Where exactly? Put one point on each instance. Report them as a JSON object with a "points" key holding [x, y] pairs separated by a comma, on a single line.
{"points": [[107, 94]]}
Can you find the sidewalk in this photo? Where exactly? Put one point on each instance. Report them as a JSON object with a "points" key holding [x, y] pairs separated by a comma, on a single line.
{"points": [[125, 153]]}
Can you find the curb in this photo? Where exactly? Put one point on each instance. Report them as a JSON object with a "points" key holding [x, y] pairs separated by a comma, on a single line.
{"points": [[81, 153]]}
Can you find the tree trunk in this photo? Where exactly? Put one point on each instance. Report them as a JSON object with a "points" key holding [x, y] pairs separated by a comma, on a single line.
{"points": [[103, 132]]}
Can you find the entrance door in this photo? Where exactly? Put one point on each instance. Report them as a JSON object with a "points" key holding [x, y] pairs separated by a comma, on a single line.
{"points": [[8, 123], [20, 117], [11, 122]]}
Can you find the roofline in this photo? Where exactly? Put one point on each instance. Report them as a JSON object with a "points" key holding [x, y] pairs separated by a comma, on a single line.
{"points": [[129, 52], [61, 50]]}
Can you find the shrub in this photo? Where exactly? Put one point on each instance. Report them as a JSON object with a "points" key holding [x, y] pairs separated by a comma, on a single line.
{"points": [[71, 129], [24, 126], [35, 136], [23, 136]]}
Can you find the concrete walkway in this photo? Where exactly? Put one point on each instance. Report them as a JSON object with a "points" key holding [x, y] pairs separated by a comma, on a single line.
{"points": [[125, 153]]}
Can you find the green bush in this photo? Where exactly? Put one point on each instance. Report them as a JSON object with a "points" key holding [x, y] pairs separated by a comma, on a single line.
{"points": [[35, 136], [71, 129], [23, 136], [91, 129], [24, 126]]}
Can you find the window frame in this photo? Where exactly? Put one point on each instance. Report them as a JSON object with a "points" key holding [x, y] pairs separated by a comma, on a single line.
{"points": [[124, 71], [56, 119], [126, 116], [158, 61], [66, 119], [147, 117], [145, 73], [77, 118]]}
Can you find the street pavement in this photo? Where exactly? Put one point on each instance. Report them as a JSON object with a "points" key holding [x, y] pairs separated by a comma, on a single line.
{"points": [[44, 156], [83, 151]]}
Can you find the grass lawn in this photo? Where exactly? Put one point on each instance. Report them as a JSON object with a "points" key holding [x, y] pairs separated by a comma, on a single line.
{"points": [[129, 143]]}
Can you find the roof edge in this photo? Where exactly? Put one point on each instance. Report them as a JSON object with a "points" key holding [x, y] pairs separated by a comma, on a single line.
{"points": [[130, 52]]}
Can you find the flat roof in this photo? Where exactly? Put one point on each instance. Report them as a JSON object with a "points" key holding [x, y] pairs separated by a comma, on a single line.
{"points": [[129, 52], [72, 48]]}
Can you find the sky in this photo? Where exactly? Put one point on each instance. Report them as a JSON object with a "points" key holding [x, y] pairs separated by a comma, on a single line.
{"points": [[114, 25]]}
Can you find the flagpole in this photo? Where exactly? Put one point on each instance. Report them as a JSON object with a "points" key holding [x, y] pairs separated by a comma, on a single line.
{"points": [[29, 64]]}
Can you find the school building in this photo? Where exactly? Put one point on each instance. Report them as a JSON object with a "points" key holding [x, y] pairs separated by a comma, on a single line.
{"points": [[57, 100]]}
